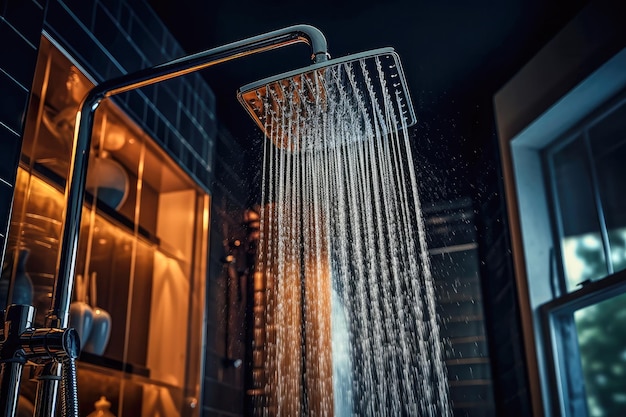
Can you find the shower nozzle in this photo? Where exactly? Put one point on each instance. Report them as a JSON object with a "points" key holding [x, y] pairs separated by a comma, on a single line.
{"points": [[371, 83]]}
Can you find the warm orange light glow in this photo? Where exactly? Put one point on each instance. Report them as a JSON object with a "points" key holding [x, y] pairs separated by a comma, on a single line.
{"points": [[150, 253], [115, 138], [259, 283]]}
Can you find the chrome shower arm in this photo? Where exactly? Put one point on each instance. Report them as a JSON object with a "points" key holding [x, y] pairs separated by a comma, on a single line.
{"points": [[58, 315], [191, 63]]}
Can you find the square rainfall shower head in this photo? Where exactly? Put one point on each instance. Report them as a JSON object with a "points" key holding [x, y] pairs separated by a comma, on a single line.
{"points": [[372, 81]]}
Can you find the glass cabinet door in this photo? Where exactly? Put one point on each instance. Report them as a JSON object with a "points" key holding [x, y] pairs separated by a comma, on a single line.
{"points": [[139, 298]]}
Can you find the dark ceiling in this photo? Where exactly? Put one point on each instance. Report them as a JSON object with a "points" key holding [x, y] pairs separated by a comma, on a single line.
{"points": [[456, 54]]}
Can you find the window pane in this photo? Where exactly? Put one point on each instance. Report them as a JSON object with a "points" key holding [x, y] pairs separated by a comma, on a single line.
{"points": [[608, 143], [583, 250], [617, 240], [583, 259], [602, 343]]}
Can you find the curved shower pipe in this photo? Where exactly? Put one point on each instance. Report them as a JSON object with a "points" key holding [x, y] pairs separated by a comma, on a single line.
{"points": [[57, 317]]}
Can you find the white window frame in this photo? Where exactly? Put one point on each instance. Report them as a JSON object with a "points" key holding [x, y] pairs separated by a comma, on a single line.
{"points": [[539, 276]]}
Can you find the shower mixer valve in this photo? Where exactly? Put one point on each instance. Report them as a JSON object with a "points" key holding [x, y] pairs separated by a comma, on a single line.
{"points": [[20, 343]]}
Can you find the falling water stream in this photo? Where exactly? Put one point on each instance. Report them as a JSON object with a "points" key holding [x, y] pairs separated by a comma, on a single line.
{"points": [[351, 326]]}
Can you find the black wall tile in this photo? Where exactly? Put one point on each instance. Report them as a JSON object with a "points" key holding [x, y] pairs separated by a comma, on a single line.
{"points": [[171, 47], [17, 55], [126, 16], [160, 129], [83, 10], [6, 197], [10, 145], [136, 103], [112, 71], [167, 104], [113, 6], [13, 99], [185, 126], [151, 22], [196, 140], [185, 154], [110, 34], [145, 41], [64, 27], [150, 119], [26, 17]]}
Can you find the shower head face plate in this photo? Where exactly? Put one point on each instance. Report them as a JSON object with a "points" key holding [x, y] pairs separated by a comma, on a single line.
{"points": [[372, 83]]}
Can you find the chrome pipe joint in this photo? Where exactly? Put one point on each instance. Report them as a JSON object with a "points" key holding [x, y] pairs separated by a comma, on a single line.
{"points": [[20, 343]]}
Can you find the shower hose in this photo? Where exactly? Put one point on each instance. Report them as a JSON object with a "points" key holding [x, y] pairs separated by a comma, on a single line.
{"points": [[69, 391]]}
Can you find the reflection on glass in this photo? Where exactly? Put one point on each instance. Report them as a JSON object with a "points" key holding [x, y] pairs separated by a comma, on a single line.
{"points": [[583, 258], [602, 344], [617, 239], [36, 227], [608, 144], [582, 246], [574, 189]]}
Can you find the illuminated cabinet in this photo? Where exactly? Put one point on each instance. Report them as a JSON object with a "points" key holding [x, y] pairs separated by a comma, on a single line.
{"points": [[142, 250]]}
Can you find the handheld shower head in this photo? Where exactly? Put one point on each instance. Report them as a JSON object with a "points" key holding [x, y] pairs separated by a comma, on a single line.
{"points": [[370, 83]]}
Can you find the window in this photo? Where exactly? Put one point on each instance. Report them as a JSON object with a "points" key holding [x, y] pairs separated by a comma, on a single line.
{"points": [[585, 321], [587, 174]]}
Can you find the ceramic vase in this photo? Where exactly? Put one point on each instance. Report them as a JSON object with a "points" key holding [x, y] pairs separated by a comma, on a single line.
{"points": [[81, 313], [81, 318], [98, 339], [100, 332], [102, 408], [109, 180]]}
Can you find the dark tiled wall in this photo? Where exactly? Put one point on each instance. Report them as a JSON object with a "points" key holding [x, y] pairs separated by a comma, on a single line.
{"points": [[450, 227], [20, 30], [109, 38], [503, 320], [227, 284]]}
